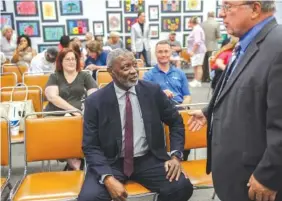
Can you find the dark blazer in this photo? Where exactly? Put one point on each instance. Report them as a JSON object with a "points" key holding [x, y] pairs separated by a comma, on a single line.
{"points": [[246, 136], [102, 137]]}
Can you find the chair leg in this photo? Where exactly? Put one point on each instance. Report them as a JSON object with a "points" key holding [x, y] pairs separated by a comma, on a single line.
{"points": [[213, 195]]}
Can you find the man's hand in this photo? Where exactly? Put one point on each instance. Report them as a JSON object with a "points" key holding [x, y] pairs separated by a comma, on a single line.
{"points": [[197, 121], [168, 93], [258, 192], [173, 169], [115, 188]]}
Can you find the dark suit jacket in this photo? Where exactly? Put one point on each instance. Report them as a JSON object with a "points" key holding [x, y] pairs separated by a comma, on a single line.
{"points": [[246, 136], [102, 137]]}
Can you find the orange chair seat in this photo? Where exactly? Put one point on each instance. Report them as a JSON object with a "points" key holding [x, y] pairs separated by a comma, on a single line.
{"points": [[3, 180], [50, 186], [17, 138], [134, 188], [196, 171]]}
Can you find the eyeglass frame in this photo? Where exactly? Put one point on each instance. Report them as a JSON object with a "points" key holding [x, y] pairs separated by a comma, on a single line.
{"points": [[70, 60], [228, 7]]}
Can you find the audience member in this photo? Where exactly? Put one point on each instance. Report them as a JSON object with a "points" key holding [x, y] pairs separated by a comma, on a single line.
{"points": [[2, 58], [24, 52], [64, 42], [75, 47], [140, 40], [212, 34], [88, 36], [114, 41], [97, 58], [123, 137], [176, 49], [44, 61], [197, 50], [8, 44], [245, 113]]}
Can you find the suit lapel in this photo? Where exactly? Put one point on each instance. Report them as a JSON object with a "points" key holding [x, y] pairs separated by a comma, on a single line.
{"points": [[246, 58]]}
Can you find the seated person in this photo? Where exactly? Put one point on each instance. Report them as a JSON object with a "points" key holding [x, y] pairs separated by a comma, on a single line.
{"points": [[24, 52], [44, 61], [64, 42], [8, 42], [176, 49], [75, 47], [123, 137], [2, 58], [114, 41], [172, 80], [66, 88], [97, 58]]}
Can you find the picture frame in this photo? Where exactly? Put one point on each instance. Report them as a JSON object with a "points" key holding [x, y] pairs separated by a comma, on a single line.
{"points": [[171, 6], [26, 8], [127, 42], [192, 6], [154, 32], [76, 27], [2, 6], [7, 19], [154, 13], [53, 33], [171, 23], [186, 21], [114, 21], [42, 47], [223, 36], [49, 11], [98, 28], [134, 8], [71, 7], [28, 27], [113, 3], [185, 37], [128, 22]]}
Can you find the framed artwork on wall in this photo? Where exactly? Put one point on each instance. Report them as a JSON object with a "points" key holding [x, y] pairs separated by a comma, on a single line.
{"points": [[30, 28], [129, 21], [42, 47], [49, 12], [98, 28], [168, 6], [134, 6], [154, 31], [185, 38], [114, 21], [113, 3], [172, 23], [53, 33], [186, 22], [26, 8], [154, 13], [224, 36], [71, 7], [7, 19], [191, 6], [2, 6], [77, 27], [127, 42]]}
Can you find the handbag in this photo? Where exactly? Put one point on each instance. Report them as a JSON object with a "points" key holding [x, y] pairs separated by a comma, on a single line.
{"points": [[17, 109]]}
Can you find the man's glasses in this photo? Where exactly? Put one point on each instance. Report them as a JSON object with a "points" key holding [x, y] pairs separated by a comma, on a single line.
{"points": [[228, 7]]}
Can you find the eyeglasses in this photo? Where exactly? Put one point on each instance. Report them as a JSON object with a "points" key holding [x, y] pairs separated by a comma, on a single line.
{"points": [[227, 7], [70, 60]]}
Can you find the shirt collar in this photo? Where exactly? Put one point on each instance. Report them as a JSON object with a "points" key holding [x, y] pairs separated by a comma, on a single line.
{"points": [[247, 38], [120, 92]]}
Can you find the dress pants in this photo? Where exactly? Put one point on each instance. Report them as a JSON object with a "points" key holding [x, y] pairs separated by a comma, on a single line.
{"points": [[206, 71], [149, 171], [146, 55]]}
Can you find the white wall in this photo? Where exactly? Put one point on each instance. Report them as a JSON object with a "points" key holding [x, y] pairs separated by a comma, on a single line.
{"points": [[278, 13]]}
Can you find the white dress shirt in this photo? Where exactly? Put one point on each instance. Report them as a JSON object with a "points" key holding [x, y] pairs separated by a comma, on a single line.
{"points": [[39, 64], [8, 47]]}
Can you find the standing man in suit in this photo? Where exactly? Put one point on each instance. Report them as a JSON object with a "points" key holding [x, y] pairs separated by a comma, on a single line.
{"points": [[212, 33], [123, 135], [140, 40], [245, 113]]}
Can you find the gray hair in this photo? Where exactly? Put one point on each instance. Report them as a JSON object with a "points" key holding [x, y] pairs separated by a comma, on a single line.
{"points": [[266, 5], [115, 54], [5, 29]]}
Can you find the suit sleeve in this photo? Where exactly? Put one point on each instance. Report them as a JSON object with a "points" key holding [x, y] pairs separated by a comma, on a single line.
{"points": [[269, 170], [133, 38], [171, 117], [94, 156]]}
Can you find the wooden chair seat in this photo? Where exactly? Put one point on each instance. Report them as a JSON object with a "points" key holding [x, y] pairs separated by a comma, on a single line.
{"points": [[50, 186], [17, 138], [3, 181], [134, 188], [196, 171]]}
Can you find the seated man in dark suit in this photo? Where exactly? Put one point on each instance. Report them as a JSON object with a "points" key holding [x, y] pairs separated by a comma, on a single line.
{"points": [[124, 139]]}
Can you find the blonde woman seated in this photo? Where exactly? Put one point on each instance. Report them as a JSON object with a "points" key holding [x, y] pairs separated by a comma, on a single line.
{"points": [[8, 42], [114, 41], [24, 52], [66, 88]]}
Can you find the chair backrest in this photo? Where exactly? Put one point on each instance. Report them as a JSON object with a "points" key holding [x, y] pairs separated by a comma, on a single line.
{"points": [[5, 142], [184, 54], [53, 138], [8, 79], [103, 77], [193, 140], [19, 70], [34, 94], [36, 79], [142, 71]]}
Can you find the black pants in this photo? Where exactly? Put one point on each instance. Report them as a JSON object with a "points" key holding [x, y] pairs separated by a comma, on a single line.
{"points": [[146, 57], [148, 171], [206, 72]]}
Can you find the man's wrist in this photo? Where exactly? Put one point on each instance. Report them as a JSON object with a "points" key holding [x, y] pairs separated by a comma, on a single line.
{"points": [[177, 154]]}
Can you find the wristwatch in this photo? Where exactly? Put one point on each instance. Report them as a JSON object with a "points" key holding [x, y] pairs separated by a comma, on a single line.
{"points": [[177, 154]]}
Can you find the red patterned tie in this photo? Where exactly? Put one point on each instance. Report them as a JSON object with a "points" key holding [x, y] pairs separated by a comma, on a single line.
{"points": [[128, 135]]}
